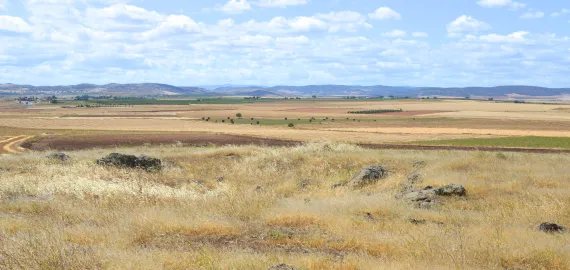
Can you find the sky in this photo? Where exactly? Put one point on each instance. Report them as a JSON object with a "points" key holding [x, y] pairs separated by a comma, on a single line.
{"points": [[447, 43]]}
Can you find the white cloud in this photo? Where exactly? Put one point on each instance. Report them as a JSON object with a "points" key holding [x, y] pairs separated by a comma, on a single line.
{"points": [[342, 16], [501, 3], [236, 6], [420, 34], [282, 3], [532, 15], [292, 40], [385, 13], [121, 16], [14, 24], [3, 4], [562, 12], [466, 24], [516, 37], [395, 33], [174, 24]]}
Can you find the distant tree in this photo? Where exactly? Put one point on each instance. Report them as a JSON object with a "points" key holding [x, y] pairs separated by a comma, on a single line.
{"points": [[291, 125], [238, 115], [314, 96]]}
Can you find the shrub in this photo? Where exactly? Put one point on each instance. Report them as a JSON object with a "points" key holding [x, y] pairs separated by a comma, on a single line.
{"points": [[238, 115], [291, 125]]}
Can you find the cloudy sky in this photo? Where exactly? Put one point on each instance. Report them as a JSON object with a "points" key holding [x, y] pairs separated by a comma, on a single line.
{"points": [[294, 42]]}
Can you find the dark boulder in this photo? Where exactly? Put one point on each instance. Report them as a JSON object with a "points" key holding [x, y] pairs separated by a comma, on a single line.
{"points": [[148, 163], [368, 175], [551, 228], [131, 161]]}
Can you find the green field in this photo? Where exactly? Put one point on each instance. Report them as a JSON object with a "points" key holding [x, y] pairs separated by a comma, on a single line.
{"points": [[524, 141]]}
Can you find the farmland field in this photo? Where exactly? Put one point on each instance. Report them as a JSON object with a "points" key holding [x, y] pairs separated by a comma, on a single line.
{"points": [[251, 185]]}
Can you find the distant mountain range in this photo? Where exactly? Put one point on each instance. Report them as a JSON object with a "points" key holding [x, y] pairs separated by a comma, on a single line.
{"points": [[155, 89]]}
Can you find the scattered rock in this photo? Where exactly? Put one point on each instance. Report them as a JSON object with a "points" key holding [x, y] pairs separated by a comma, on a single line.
{"points": [[282, 266], [451, 190], [337, 185], [413, 179], [259, 188], [370, 217], [59, 156], [220, 178], [428, 197], [304, 183], [419, 221], [419, 164], [131, 161], [551, 228], [368, 175]]}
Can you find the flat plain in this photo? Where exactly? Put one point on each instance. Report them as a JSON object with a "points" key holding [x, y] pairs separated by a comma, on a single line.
{"points": [[249, 195]]}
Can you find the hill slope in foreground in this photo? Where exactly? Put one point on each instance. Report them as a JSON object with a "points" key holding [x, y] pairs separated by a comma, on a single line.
{"points": [[253, 207]]}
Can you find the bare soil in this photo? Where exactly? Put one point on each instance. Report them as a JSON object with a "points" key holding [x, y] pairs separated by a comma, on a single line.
{"points": [[81, 142]]}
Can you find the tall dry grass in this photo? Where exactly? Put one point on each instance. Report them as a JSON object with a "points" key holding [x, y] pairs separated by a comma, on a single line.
{"points": [[277, 205]]}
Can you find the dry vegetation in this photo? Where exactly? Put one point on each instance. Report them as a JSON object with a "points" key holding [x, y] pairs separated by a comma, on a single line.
{"points": [[277, 205]]}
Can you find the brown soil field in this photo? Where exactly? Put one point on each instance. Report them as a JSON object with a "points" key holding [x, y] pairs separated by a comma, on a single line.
{"points": [[84, 142], [79, 142]]}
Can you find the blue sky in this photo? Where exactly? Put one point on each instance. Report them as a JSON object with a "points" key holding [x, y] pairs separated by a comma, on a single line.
{"points": [[293, 42]]}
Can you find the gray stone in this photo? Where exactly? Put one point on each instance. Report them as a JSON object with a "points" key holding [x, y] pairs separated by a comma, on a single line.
{"points": [[548, 227], [368, 175], [419, 164], [131, 161], [282, 266], [451, 190], [59, 156]]}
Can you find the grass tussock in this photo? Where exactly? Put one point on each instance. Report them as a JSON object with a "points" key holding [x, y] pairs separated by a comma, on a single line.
{"points": [[251, 207]]}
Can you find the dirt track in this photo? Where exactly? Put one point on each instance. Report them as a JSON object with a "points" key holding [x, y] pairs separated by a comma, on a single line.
{"points": [[79, 142], [12, 144]]}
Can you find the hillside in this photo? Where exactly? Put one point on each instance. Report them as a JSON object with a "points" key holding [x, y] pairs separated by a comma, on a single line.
{"points": [[156, 89]]}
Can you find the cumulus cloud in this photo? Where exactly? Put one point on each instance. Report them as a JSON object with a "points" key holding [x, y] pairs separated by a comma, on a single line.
{"points": [[174, 24], [236, 6], [395, 33], [532, 15], [516, 37], [501, 3], [122, 16], [14, 24], [282, 3], [385, 13], [466, 24]]}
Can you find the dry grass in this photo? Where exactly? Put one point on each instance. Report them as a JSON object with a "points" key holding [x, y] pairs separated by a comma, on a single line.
{"points": [[276, 205]]}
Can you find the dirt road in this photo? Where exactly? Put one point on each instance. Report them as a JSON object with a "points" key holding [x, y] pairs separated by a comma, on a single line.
{"points": [[11, 145]]}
